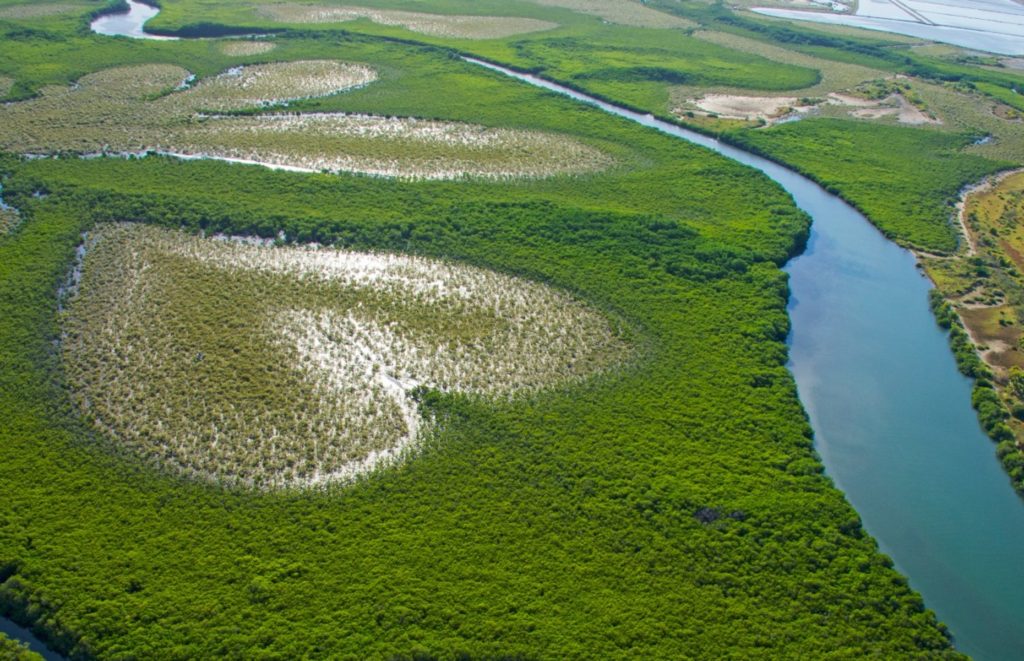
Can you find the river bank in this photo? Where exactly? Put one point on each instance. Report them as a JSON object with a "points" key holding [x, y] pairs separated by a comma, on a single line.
{"points": [[23, 635], [981, 300]]}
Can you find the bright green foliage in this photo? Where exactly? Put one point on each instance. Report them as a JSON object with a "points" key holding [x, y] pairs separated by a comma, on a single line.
{"points": [[673, 507], [905, 180], [685, 483], [12, 650], [1010, 97]]}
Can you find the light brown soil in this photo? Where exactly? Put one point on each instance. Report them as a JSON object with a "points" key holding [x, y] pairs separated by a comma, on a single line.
{"points": [[733, 106]]}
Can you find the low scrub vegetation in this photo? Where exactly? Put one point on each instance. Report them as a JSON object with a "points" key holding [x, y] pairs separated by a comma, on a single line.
{"points": [[243, 48], [435, 25], [905, 180], [238, 361], [390, 146], [264, 85], [132, 110], [38, 10], [8, 220], [979, 295]]}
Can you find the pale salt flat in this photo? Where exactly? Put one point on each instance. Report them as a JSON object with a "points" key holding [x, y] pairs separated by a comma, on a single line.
{"points": [[995, 26]]}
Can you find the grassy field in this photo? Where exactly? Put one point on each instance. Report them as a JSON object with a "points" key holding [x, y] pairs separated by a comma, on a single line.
{"points": [[628, 12]]}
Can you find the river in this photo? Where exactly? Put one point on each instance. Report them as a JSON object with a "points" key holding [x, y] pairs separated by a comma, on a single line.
{"points": [[891, 414], [23, 635], [128, 24]]}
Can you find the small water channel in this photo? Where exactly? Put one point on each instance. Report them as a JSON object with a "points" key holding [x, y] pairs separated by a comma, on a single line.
{"points": [[23, 635], [891, 414], [128, 24]]}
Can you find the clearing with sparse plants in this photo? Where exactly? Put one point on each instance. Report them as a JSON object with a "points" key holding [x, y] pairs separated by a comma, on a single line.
{"points": [[132, 110], [242, 362]]}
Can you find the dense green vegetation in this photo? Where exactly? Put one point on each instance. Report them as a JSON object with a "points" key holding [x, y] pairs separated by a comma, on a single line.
{"points": [[671, 507], [905, 180], [11, 650], [670, 482], [685, 481]]}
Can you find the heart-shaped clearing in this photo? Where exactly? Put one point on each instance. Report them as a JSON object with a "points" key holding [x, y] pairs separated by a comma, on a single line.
{"points": [[238, 361]]}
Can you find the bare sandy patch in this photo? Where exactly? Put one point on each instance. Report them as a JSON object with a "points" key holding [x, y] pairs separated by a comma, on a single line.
{"points": [[435, 25], [835, 77], [874, 112], [838, 99], [893, 106], [243, 48], [749, 107]]}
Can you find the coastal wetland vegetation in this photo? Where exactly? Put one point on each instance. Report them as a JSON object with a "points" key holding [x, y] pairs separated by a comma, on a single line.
{"points": [[665, 497]]}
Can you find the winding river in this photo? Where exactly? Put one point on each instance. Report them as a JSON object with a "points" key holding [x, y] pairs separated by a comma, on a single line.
{"points": [[891, 413], [129, 23]]}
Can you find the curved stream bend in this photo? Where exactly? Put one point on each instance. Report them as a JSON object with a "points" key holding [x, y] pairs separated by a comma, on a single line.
{"points": [[129, 23], [891, 414]]}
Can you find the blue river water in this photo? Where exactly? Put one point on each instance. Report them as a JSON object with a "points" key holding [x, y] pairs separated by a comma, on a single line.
{"points": [[892, 416], [22, 635]]}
